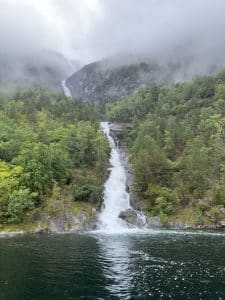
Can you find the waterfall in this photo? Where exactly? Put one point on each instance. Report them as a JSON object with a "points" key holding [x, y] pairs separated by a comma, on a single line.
{"points": [[66, 89], [116, 199]]}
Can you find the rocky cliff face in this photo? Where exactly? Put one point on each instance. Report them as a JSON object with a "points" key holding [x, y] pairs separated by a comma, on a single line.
{"points": [[117, 77], [103, 80]]}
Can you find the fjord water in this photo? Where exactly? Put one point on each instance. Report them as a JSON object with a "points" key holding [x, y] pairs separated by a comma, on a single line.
{"points": [[153, 265]]}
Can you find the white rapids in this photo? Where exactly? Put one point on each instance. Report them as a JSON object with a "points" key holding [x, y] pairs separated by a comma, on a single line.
{"points": [[116, 198]]}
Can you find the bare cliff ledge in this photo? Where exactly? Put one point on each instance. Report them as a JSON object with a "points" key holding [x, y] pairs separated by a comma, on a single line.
{"points": [[66, 217]]}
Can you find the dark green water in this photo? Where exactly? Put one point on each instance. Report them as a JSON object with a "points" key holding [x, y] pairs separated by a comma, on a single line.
{"points": [[128, 266]]}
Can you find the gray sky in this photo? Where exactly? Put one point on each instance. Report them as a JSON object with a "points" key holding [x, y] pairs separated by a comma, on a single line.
{"points": [[91, 29]]}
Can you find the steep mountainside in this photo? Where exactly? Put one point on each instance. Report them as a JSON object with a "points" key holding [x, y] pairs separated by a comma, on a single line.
{"points": [[98, 81], [115, 78]]}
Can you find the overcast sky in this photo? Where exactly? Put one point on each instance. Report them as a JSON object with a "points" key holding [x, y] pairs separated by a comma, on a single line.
{"points": [[91, 29]]}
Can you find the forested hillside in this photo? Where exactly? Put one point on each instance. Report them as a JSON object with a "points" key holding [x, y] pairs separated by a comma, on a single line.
{"points": [[51, 150], [177, 146]]}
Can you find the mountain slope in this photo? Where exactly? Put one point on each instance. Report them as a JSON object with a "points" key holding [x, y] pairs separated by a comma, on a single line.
{"points": [[97, 81], [120, 76]]}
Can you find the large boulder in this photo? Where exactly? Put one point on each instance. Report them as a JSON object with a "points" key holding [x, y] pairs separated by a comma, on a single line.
{"points": [[133, 218]]}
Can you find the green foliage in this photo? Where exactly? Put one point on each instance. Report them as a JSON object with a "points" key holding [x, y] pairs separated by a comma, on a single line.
{"points": [[87, 187], [42, 166], [45, 139], [19, 202], [9, 182], [87, 192], [203, 206], [219, 194], [177, 143], [161, 200], [136, 106], [195, 169], [204, 87], [220, 91], [151, 164], [215, 213]]}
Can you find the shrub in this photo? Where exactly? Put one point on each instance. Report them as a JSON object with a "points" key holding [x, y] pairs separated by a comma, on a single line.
{"points": [[219, 194], [215, 213], [19, 202], [161, 200], [87, 192]]}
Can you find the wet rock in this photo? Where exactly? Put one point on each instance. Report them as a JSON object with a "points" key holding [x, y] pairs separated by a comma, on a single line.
{"points": [[127, 188], [133, 217], [69, 218], [70, 223], [90, 225], [81, 217], [40, 229], [204, 226], [57, 224], [179, 225], [128, 215], [221, 224], [153, 222]]}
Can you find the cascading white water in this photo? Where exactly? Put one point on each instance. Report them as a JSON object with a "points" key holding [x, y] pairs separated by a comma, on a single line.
{"points": [[66, 89], [116, 199]]}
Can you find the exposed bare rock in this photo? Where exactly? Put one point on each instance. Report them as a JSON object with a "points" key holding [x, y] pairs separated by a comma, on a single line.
{"points": [[133, 217], [154, 222], [108, 79]]}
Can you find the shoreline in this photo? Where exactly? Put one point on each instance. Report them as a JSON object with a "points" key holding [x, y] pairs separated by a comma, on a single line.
{"points": [[162, 230], [84, 222]]}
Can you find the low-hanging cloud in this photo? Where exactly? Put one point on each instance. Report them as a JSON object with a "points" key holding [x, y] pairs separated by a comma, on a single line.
{"points": [[88, 30]]}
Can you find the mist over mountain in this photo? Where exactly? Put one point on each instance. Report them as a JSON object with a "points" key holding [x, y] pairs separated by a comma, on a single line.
{"points": [[46, 68], [121, 75], [182, 38], [101, 80], [89, 30]]}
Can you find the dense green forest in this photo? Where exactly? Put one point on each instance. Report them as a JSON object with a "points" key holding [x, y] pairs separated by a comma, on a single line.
{"points": [[51, 148], [177, 147]]}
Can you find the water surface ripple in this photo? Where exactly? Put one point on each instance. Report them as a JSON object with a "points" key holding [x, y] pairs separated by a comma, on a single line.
{"points": [[144, 265]]}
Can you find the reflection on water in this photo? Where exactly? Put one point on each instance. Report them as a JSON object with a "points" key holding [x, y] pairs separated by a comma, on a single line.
{"points": [[117, 266], [164, 265], [144, 265]]}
